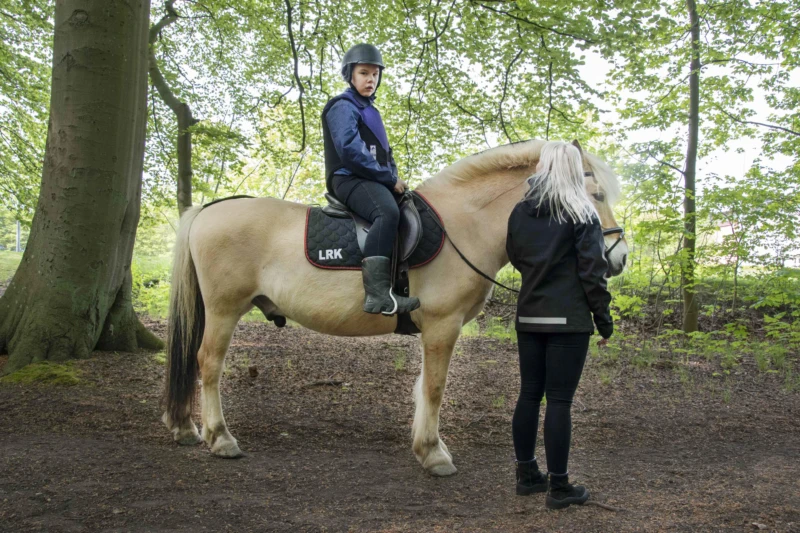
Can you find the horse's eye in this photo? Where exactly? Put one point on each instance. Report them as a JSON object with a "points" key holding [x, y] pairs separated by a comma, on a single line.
{"points": [[600, 197]]}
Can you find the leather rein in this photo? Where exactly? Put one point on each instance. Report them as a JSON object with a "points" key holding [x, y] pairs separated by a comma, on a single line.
{"points": [[609, 231]]}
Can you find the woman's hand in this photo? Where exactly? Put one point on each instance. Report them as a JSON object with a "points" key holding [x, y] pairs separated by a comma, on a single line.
{"points": [[400, 186]]}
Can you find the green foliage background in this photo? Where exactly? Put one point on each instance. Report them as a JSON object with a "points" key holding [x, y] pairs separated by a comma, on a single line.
{"points": [[463, 76]]}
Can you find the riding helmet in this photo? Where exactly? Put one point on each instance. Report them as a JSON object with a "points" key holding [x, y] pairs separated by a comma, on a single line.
{"points": [[360, 54]]}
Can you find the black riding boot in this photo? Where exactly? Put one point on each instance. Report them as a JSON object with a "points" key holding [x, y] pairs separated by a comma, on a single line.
{"points": [[529, 478], [379, 298], [562, 494]]}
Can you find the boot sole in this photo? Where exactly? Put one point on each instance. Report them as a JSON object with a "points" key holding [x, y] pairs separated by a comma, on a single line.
{"points": [[552, 503], [398, 312], [378, 311], [523, 490]]}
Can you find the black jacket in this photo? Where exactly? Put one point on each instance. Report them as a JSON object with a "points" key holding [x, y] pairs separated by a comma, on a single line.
{"points": [[563, 269]]}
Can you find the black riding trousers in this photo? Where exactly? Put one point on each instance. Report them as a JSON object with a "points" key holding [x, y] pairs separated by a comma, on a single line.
{"points": [[372, 201], [550, 364]]}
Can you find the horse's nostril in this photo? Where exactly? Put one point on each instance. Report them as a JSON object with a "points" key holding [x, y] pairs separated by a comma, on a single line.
{"points": [[624, 259]]}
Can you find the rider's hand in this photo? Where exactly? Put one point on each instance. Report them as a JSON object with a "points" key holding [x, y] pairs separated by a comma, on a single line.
{"points": [[400, 186]]}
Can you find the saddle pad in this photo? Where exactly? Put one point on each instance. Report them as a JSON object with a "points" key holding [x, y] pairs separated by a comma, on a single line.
{"points": [[331, 242]]}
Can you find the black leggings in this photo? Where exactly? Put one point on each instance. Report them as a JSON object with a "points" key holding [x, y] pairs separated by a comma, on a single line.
{"points": [[551, 364], [374, 202]]}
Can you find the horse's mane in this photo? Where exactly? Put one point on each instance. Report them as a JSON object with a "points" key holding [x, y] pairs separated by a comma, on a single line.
{"points": [[515, 156], [507, 157]]}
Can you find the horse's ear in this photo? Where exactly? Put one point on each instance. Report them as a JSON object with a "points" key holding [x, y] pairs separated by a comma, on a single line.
{"points": [[577, 145]]}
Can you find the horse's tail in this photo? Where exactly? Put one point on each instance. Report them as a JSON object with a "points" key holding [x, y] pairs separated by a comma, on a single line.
{"points": [[186, 325]]}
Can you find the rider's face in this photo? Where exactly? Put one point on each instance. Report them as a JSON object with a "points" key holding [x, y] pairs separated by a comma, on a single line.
{"points": [[365, 79]]}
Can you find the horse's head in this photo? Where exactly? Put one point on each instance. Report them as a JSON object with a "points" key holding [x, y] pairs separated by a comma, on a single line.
{"points": [[603, 189]]}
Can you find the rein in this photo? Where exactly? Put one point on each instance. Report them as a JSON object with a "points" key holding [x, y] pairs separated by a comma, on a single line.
{"points": [[610, 231], [473, 267]]}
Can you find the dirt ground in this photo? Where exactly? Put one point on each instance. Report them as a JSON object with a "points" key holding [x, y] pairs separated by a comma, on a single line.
{"points": [[677, 451]]}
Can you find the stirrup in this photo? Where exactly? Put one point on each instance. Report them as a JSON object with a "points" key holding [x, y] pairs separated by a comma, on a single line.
{"points": [[394, 301]]}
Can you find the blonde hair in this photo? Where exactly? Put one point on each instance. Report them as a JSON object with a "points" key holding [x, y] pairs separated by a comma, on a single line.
{"points": [[559, 184]]}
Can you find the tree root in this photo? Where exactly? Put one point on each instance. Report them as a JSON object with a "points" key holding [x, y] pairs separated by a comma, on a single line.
{"points": [[146, 339], [607, 507]]}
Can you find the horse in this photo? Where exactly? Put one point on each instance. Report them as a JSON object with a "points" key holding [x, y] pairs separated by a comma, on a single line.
{"points": [[241, 253]]}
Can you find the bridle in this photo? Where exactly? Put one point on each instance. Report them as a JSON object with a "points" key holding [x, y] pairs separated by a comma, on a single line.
{"points": [[616, 230], [608, 231]]}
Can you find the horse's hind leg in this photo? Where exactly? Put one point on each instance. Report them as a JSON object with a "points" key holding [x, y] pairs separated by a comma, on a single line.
{"points": [[183, 431], [438, 341], [216, 338]]}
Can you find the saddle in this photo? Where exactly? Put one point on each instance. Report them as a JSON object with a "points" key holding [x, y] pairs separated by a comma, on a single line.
{"points": [[335, 238], [409, 231]]}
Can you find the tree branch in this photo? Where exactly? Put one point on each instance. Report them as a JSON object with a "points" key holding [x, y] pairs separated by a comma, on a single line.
{"points": [[161, 85], [183, 113], [549, 90], [503, 98], [650, 155], [291, 180], [159, 135], [449, 92], [410, 107], [673, 167], [737, 60], [672, 88], [534, 24], [296, 73], [771, 126], [8, 15]]}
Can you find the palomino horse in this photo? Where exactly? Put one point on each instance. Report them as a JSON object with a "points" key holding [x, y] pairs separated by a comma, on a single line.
{"points": [[244, 252]]}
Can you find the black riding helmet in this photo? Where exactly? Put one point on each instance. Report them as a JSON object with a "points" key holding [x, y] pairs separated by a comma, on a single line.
{"points": [[360, 54]]}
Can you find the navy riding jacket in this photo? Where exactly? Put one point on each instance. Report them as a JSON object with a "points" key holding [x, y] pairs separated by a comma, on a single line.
{"points": [[355, 140]]}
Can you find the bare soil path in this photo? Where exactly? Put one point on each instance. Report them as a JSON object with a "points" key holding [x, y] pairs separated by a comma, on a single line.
{"points": [[679, 451]]}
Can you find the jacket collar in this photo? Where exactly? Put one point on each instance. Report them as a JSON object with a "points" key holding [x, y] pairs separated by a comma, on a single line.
{"points": [[532, 207], [359, 100]]}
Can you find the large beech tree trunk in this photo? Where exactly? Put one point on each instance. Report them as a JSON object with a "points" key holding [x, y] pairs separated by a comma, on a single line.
{"points": [[72, 291]]}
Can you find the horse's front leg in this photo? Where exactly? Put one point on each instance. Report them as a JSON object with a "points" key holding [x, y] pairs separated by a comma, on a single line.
{"points": [[438, 340]]}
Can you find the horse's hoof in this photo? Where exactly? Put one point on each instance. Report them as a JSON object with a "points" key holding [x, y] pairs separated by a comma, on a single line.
{"points": [[188, 439], [228, 453], [443, 470], [186, 436], [226, 449]]}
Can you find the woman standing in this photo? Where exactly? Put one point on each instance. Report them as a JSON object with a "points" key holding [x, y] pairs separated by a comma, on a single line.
{"points": [[556, 242]]}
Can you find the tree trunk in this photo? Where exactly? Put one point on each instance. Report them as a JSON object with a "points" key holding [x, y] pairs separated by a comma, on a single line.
{"points": [[181, 109], [72, 291], [690, 307]]}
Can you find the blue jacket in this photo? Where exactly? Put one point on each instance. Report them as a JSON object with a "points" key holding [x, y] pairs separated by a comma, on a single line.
{"points": [[345, 128]]}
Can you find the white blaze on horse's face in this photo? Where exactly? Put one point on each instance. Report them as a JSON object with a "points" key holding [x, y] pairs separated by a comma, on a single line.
{"points": [[618, 256]]}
